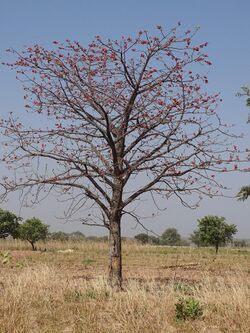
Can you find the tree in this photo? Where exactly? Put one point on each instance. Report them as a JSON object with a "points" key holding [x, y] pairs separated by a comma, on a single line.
{"points": [[33, 230], [154, 240], [142, 238], [171, 237], [147, 239], [59, 235], [244, 193], [77, 236], [9, 223], [213, 230], [115, 111]]}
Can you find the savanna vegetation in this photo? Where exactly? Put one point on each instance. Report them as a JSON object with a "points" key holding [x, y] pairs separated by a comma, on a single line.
{"points": [[166, 289], [128, 110]]}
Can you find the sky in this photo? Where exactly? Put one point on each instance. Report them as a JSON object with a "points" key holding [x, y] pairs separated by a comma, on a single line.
{"points": [[224, 24]]}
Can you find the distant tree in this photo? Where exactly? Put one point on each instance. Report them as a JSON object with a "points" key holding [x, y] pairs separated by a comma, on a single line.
{"points": [[214, 231], [77, 236], [240, 243], [142, 238], [195, 238], [154, 240], [244, 193], [103, 238], [184, 242], [59, 235], [9, 223], [171, 237], [33, 230]]}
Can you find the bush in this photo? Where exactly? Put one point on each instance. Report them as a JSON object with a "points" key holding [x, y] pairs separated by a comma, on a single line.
{"points": [[188, 308]]}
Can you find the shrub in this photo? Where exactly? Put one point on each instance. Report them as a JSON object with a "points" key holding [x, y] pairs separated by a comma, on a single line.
{"points": [[188, 308]]}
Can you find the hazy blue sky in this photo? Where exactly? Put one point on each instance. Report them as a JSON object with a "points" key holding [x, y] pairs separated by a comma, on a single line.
{"points": [[224, 24]]}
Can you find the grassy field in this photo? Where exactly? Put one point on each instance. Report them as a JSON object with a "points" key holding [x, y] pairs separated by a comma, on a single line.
{"points": [[67, 292]]}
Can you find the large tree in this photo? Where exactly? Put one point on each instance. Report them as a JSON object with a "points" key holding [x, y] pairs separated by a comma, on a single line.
{"points": [[113, 112]]}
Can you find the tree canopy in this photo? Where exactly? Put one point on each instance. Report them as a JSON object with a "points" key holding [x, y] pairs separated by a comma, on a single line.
{"points": [[142, 238], [213, 230], [170, 237], [9, 223], [33, 230]]}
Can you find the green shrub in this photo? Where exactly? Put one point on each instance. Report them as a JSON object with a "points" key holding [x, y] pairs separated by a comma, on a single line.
{"points": [[188, 308]]}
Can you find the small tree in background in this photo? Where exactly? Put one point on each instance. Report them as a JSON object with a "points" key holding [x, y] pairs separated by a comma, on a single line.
{"points": [[195, 238], [33, 230], [214, 231], [77, 236], [170, 237], [142, 238], [59, 236], [154, 240], [9, 223]]}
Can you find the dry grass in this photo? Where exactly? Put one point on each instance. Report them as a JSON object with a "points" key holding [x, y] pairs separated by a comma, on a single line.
{"points": [[53, 292]]}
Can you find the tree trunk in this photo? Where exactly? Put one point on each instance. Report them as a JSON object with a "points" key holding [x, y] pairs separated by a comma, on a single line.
{"points": [[115, 255], [115, 248], [216, 248], [33, 246]]}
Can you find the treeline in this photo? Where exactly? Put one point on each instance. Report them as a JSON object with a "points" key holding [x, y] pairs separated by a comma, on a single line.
{"points": [[211, 231], [74, 236], [193, 239]]}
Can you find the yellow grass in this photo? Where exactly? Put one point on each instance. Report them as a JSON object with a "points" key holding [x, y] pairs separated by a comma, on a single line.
{"points": [[57, 292]]}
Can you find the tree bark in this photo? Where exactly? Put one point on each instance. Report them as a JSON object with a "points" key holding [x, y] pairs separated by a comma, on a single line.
{"points": [[33, 246], [115, 249], [115, 254]]}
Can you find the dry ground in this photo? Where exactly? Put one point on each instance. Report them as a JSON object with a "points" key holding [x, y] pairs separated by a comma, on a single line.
{"points": [[66, 292]]}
